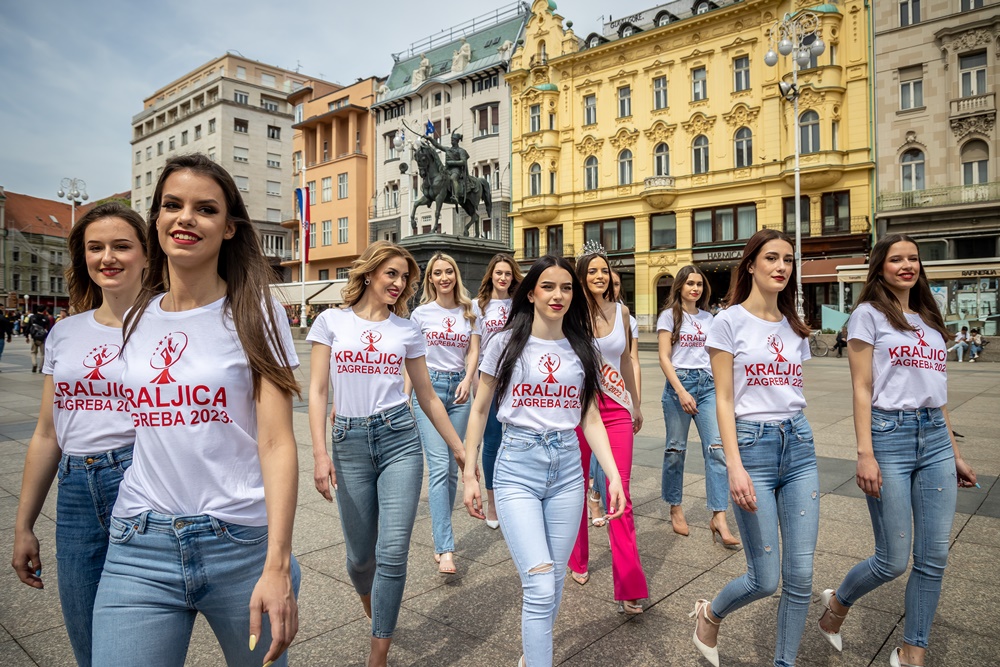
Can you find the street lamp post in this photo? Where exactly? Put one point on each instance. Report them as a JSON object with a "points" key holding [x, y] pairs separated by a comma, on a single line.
{"points": [[798, 33], [73, 189]]}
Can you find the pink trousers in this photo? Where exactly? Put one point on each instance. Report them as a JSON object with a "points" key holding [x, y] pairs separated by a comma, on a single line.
{"points": [[626, 569]]}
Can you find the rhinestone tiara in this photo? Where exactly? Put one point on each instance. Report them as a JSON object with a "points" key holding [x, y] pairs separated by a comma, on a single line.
{"points": [[592, 248]]}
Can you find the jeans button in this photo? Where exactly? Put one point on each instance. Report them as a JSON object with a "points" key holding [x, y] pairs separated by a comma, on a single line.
{"points": [[89, 460], [179, 524]]}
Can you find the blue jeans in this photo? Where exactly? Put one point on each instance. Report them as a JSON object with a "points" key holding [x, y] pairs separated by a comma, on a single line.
{"points": [[919, 490], [539, 495], [491, 444], [959, 348], [442, 469], [781, 460], [380, 468], [88, 488], [701, 386], [161, 571], [974, 350]]}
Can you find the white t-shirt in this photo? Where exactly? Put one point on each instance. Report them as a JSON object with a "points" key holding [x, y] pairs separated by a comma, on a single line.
{"points": [[191, 396], [767, 363], [366, 359], [611, 348], [689, 351], [447, 333], [634, 323], [88, 407], [544, 392], [490, 321], [909, 370]]}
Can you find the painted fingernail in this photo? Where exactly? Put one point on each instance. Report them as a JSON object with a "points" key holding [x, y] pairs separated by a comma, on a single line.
{"points": [[38, 573], [253, 642], [334, 487], [269, 663], [977, 486]]}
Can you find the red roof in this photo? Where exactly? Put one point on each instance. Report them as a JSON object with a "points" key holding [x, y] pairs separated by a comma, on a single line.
{"points": [[33, 215]]}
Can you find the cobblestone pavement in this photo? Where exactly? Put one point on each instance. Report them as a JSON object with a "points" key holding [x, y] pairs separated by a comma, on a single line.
{"points": [[474, 617]]}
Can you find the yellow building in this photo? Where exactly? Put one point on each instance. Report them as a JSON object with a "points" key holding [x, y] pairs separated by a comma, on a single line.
{"points": [[666, 138]]}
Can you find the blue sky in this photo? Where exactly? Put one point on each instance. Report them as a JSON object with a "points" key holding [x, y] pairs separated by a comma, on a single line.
{"points": [[75, 73]]}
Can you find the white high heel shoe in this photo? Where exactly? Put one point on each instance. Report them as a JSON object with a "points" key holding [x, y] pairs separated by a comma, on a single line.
{"points": [[710, 653], [894, 660], [833, 637]]}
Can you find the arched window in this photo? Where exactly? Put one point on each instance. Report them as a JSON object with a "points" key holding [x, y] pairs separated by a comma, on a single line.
{"points": [[912, 170], [590, 173], [809, 132], [702, 7], [744, 147], [663, 19], [535, 179], [661, 160], [625, 167], [595, 41], [975, 162], [628, 30], [700, 154]]}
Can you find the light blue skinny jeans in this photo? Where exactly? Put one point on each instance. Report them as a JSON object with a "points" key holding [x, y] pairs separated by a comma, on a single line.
{"points": [[917, 506], [442, 469], [700, 384], [781, 460], [539, 489]]}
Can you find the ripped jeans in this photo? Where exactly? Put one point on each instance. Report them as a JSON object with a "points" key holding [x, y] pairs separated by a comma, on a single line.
{"points": [[539, 491], [781, 460]]}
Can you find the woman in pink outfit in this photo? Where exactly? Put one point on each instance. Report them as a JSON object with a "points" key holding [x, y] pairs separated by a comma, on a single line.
{"points": [[622, 419]]}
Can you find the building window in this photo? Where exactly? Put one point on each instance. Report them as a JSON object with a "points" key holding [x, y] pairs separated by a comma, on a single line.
{"points": [[614, 235], [326, 188], [15, 254], [197, 132], [975, 163], [628, 30], [554, 240], [624, 102], [241, 72], [912, 170], [535, 118], [911, 88], [725, 224], [311, 187], [341, 230], [744, 147], [211, 126], [392, 195], [809, 132], [312, 234], [241, 98], [274, 160], [241, 126], [149, 152], [34, 258], [274, 132], [172, 145], [699, 151], [343, 272], [243, 183], [138, 157], [663, 230], [138, 182], [590, 173], [663, 19], [159, 148], [299, 111], [699, 84], [969, 5], [274, 188], [836, 212], [149, 178], [342, 186], [535, 179], [241, 154], [660, 92], [589, 109], [269, 105], [184, 138], [702, 8], [34, 283], [835, 135], [531, 243], [16, 282], [909, 12], [625, 167], [327, 232], [273, 215], [973, 73], [324, 274], [661, 160], [741, 73], [488, 120], [788, 203], [552, 182]]}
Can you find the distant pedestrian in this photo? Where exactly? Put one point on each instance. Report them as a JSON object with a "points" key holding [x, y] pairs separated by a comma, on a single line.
{"points": [[6, 330], [976, 345], [841, 342], [961, 343], [38, 331]]}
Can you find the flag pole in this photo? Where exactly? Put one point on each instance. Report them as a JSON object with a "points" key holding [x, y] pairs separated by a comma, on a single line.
{"points": [[303, 207]]}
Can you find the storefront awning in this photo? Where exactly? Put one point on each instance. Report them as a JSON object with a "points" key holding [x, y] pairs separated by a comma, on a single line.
{"points": [[825, 270], [936, 270]]}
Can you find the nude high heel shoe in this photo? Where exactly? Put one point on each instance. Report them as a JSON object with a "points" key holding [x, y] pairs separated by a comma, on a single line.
{"points": [[710, 653], [894, 660], [833, 637]]}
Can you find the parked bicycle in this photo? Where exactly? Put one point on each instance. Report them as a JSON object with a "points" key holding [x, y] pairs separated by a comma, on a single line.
{"points": [[817, 346]]}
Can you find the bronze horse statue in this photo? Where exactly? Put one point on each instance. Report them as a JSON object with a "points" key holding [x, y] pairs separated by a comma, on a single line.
{"points": [[436, 189]]}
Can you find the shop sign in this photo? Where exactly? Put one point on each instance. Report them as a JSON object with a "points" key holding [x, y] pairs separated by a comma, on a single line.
{"points": [[979, 272], [718, 255]]}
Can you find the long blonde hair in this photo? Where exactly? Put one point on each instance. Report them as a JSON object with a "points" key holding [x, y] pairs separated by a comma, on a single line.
{"points": [[370, 260], [461, 295]]}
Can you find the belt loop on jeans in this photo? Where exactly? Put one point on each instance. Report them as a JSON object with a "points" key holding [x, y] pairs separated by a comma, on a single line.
{"points": [[141, 527], [64, 464]]}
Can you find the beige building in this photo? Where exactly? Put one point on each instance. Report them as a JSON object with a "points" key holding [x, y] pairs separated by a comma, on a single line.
{"points": [[937, 76], [236, 111], [33, 251]]}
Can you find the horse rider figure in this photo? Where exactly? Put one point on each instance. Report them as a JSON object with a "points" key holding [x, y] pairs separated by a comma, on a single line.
{"points": [[456, 161]]}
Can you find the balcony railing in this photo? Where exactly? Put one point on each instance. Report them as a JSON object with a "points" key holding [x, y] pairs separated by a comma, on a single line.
{"points": [[972, 105], [951, 196], [528, 254], [376, 211], [858, 224]]}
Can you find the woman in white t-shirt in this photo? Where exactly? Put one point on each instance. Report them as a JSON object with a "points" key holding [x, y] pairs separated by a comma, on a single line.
{"points": [[84, 431], [757, 346], [446, 319], [492, 306], [543, 371], [689, 394], [203, 520], [908, 460], [377, 465], [622, 418]]}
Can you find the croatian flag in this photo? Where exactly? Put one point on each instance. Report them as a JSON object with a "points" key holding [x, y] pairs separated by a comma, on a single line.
{"points": [[302, 198], [429, 130]]}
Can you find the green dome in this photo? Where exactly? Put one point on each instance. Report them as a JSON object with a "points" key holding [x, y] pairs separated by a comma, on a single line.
{"points": [[826, 8], [547, 86], [552, 5]]}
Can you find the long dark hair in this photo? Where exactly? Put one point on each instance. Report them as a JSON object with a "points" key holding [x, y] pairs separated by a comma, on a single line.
{"points": [[241, 265], [742, 280], [486, 286], [84, 294], [582, 266], [575, 325], [882, 299], [676, 302]]}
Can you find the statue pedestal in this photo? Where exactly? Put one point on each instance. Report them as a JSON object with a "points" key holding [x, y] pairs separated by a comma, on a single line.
{"points": [[472, 255]]}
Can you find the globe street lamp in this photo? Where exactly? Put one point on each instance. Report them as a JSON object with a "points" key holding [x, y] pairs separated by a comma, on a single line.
{"points": [[73, 189], [796, 34]]}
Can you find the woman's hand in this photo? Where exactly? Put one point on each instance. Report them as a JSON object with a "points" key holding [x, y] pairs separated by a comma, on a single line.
{"points": [[472, 496], [688, 404], [869, 475], [616, 498], [462, 391], [273, 595], [636, 419], [966, 476], [741, 488], [324, 475], [27, 561]]}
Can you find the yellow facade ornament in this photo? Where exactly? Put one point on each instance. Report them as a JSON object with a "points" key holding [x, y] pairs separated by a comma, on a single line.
{"points": [[624, 139], [741, 115], [699, 124], [589, 145], [660, 132]]}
